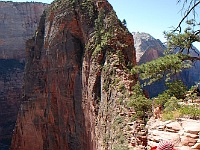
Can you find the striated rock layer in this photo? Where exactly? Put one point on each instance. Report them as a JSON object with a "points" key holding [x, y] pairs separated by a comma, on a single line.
{"points": [[18, 23], [76, 79]]}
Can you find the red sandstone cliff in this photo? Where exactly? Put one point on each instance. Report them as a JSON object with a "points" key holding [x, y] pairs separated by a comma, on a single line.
{"points": [[18, 23], [77, 80]]}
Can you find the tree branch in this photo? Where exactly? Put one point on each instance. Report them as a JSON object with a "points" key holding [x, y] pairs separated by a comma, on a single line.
{"points": [[191, 58], [188, 12]]}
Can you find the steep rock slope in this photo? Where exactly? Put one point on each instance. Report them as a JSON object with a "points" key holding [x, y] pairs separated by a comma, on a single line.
{"points": [[18, 23], [11, 79], [192, 75], [147, 47], [77, 79]]}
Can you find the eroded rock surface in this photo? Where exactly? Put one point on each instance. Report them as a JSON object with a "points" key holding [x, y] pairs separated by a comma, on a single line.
{"points": [[76, 80], [147, 47]]}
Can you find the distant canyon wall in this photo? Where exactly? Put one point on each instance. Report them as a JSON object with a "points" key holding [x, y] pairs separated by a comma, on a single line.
{"points": [[18, 23]]}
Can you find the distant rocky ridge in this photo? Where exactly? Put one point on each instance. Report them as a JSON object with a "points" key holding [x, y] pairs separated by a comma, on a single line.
{"points": [[18, 23], [149, 48]]}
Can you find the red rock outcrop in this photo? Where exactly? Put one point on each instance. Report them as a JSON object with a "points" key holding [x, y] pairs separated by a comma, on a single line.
{"points": [[77, 79], [18, 23]]}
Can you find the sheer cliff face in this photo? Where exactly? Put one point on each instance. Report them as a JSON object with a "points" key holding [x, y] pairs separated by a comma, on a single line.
{"points": [[18, 23], [76, 79], [147, 47]]}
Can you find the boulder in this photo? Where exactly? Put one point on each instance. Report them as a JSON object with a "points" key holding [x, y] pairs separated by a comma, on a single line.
{"points": [[174, 126], [184, 133]]}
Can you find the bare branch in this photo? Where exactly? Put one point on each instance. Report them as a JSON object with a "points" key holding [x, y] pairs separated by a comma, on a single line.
{"points": [[186, 15], [197, 32], [192, 58]]}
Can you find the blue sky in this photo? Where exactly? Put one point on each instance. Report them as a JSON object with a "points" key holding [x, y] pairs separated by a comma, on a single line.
{"points": [[150, 16]]}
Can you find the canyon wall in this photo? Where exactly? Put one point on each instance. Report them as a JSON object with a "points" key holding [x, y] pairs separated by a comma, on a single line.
{"points": [[77, 80], [18, 23]]}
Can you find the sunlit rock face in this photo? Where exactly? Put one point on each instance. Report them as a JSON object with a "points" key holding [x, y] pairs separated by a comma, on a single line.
{"points": [[147, 47], [77, 78], [18, 23], [183, 133]]}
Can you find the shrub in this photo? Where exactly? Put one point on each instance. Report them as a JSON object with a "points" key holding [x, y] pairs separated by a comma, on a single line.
{"points": [[170, 115], [192, 112], [140, 103], [120, 147], [177, 89], [161, 99], [171, 104]]}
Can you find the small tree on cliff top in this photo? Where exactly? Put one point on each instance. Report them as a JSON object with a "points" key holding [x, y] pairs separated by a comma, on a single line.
{"points": [[141, 104]]}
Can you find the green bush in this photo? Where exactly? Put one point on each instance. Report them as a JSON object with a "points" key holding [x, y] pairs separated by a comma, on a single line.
{"points": [[177, 89], [120, 147], [192, 112], [171, 109], [161, 99], [171, 105], [140, 103], [170, 115]]}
